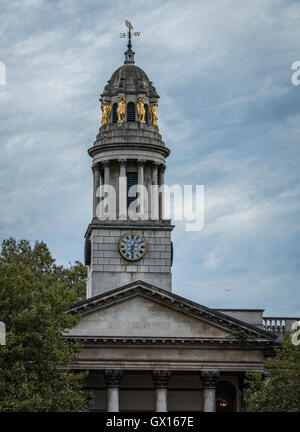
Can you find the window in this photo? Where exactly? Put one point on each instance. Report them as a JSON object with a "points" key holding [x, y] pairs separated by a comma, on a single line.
{"points": [[225, 397], [147, 113], [131, 181], [130, 111], [114, 113]]}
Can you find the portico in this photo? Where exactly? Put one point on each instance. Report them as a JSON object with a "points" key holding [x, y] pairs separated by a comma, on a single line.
{"points": [[137, 357], [144, 391]]}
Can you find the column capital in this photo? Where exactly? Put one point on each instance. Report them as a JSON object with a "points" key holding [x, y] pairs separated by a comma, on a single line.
{"points": [[122, 161], [95, 167], [162, 167], [155, 164], [113, 377], [209, 378], [141, 161], [160, 378], [106, 162]]}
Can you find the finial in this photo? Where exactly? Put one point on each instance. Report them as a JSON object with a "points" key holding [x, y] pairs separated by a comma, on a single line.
{"points": [[129, 54]]}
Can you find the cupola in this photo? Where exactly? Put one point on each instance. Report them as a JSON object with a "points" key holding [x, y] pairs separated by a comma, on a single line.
{"points": [[129, 95]]}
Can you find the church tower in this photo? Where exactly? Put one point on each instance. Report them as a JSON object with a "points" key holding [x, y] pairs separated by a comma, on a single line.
{"points": [[145, 347], [132, 242]]}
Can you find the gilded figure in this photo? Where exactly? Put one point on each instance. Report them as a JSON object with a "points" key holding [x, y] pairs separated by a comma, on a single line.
{"points": [[153, 113], [121, 110], [141, 110], [106, 109]]}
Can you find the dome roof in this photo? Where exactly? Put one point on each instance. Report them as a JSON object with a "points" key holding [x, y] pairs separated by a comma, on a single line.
{"points": [[129, 79]]}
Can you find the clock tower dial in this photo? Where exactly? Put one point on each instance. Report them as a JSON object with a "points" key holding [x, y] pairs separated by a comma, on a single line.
{"points": [[132, 247]]}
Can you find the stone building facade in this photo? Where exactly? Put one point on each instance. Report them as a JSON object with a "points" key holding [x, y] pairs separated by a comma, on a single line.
{"points": [[147, 348]]}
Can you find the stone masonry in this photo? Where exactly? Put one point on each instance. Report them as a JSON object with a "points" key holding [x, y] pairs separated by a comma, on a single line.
{"points": [[109, 270]]}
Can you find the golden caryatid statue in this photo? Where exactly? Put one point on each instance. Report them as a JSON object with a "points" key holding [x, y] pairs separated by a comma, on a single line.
{"points": [[121, 110], [153, 113], [141, 110], [106, 109]]}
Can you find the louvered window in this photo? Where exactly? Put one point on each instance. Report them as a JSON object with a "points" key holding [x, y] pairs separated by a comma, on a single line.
{"points": [[147, 113], [130, 111], [131, 181], [114, 113]]}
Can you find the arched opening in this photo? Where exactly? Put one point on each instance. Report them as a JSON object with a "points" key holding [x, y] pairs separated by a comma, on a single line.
{"points": [[225, 397], [147, 113], [114, 113], [130, 111]]}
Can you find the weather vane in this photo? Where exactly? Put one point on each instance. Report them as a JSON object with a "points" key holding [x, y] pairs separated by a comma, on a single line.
{"points": [[129, 33]]}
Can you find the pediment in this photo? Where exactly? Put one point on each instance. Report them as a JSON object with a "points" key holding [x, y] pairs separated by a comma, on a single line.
{"points": [[139, 316], [143, 310]]}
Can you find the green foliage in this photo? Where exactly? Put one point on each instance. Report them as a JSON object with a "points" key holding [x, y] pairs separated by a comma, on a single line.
{"points": [[280, 391], [244, 338], [75, 278], [34, 295]]}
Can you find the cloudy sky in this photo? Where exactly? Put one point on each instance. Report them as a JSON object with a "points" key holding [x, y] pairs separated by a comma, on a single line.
{"points": [[228, 112]]}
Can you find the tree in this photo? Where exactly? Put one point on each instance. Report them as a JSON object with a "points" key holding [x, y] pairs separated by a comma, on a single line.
{"points": [[34, 295], [280, 390]]}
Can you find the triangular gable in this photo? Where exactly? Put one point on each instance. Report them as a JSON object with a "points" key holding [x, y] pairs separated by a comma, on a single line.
{"points": [[142, 310], [139, 316]]}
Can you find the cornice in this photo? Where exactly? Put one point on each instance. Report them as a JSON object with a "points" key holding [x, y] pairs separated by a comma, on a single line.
{"points": [[187, 342], [136, 225], [138, 146]]}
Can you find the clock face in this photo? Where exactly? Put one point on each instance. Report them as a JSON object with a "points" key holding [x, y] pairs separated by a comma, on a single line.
{"points": [[132, 247]]}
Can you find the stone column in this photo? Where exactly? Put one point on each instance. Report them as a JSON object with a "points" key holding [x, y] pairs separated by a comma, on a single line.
{"points": [[106, 195], [141, 163], [113, 378], [239, 399], [122, 199], [96, 184], [160, 380], [209, 380], [106, 165], [161, 182], [101, 173], [154, 207]]}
